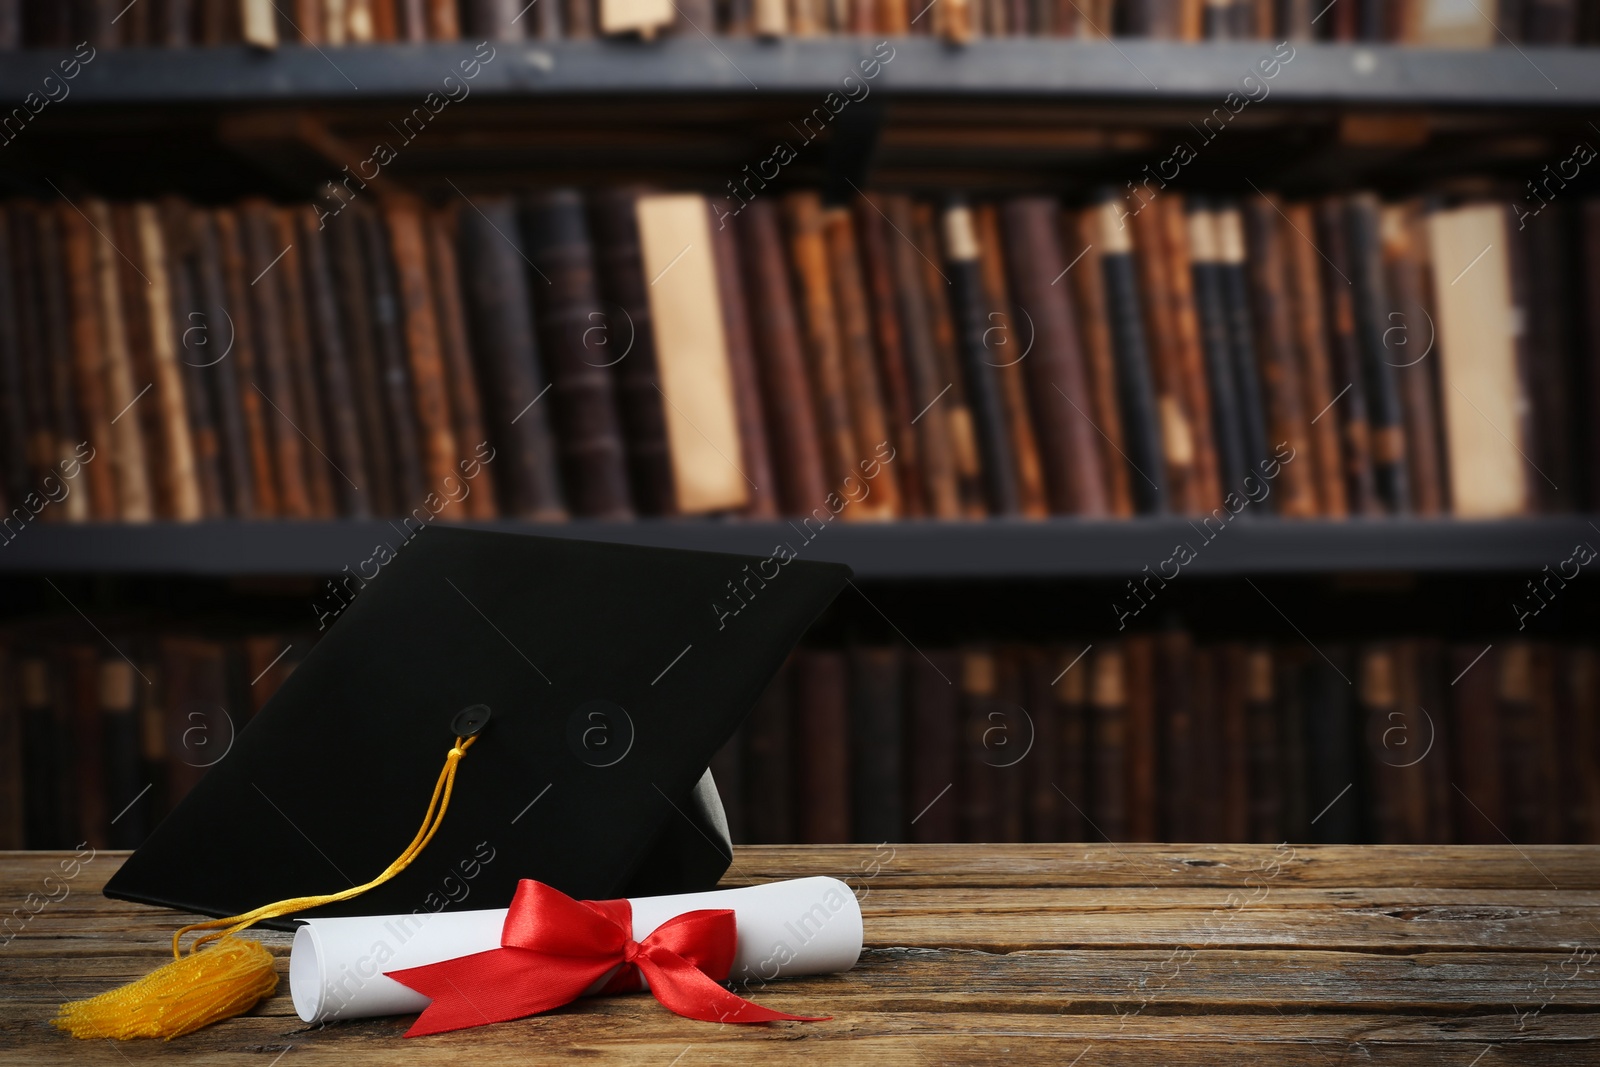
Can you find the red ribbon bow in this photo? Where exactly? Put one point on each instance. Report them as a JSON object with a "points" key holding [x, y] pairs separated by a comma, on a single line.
{"points": [[554, 949]]}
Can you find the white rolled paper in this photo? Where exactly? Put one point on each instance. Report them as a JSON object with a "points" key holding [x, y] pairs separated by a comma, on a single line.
{"points": [[797, 927]]}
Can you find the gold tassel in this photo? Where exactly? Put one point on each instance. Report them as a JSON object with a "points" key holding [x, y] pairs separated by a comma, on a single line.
{"points": [[233, 975]]}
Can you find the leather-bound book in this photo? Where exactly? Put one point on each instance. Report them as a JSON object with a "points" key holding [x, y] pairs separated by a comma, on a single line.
{"points": [[347, 258], [786, 392], [466, 403], [247, 360], [1395, 731], [303, 22], [389, 344], [10, 30], [386, 24], [117, 689], [754, 448], [895, 374], [808, 254], [1264, 756], [1178, 435], [1242, 341], [500, 316], [1070, 674], [413, 19], [430, 393], [983, 723], [443, 21], [877, 748], [80, 668], [16, 471], [1475, 736], [1292, 755], [589, 431], [180, 472], [1546, 267], [822, 744], [770, 762], [769, 18], [936, 449], [868, 414], [1530, 760], [1108, 771], [49, 802], [1185, 323], [933, 797], [29, 329], [1333, 239], [135, 499], [958, 412], [1233, 751], [1287, 421], [1578, 678], [1019, 336], [1480, 384], [1331, 737], [894, 17], [291, 291], [494, 20], [1141, 739], [1311, 339], [130, 292], [1227, 425], [1206, 770], [179, 235], [1406, 271], [1011, 742], [1042, 766], [1372, 302], [88, 358], [1094, 320], [627, 343], [58, 326], [1142, 438], [13, 820], [328, 353], [977, 363], [276, 385], [1172, 683]]}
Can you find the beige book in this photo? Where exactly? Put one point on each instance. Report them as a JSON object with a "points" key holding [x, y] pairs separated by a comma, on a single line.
{"points": [[691, 352], [645, 17], [336, 21], [127, 451], [177, 443], [1476, 325], [771, 18], [1454, 24], [260, 23]]}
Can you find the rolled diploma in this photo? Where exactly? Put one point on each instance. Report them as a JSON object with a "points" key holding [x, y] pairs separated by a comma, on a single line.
{"points": [[796, 927]]}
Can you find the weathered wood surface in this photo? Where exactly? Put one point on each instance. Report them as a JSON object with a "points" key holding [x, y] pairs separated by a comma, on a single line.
{"points": [[1315, 955]]}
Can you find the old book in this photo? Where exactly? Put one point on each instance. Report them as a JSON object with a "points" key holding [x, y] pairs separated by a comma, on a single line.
{"points": [[1377, 691], [1179, 439], [1172, 683], [1185, 323], [500, 316], [822, 746], [466, 404], [395, 384], [1383, 393], [245, 360], [1042, 766], [1265, 746], [1345, 345], [1009, 737], [1474, 733], [1233, 274], [180, 231], [977, 362], [622, 336], [647, 18], [1140, 739], [13, 821], [754, 449], [1069, 681], [347, 258], [328, 352], [770, 761], [983, 721], [276, 387], [305, 25], [1478, 378], [808, 256], [589, 431], [199, 725], [180, 473], [18, 467], [58, 330], [877, 758], [496, 20], [578, 19], [1227, 425], [697, 385], [130, 294], [135, 500], [1530, 765], [1287, 421], [1580, 773], [868, 415], [1108, 775], [117, 689], [1545, 268], [1331, 736], [936, 449], [1311, 344], [31, 332], [933, 739], [1136, 392], [413, 20], [1406, 271], [1019, 338], [49, 802], [1094, 320], [895, 374], [786, 392], [258, 23], [1455, 24], [88, 357], [770, 18], [85, 767], [958, 413], [440, 451], [288, 278], [443, 20]]}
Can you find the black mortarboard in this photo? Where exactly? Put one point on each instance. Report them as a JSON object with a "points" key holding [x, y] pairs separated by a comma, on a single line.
{"points": [[612, 674]]}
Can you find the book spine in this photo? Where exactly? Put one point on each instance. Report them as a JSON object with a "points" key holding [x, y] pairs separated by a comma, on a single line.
{"points": [[1547, 266], [288, 281], [135, 501], [1311, 338], [1179, 447], [1172, 683], [822, 701], [754, 447], [981, 712], [876, 757], [770, 761], [1264, 748], [17, 468], [1233, 766], [179, 229], [958, 414], [1406, 274], [177, 444], [1135, 386], [347, 258], [896, 375], [1185, 322], [1140, 739], [934, 738], [466, 403], [1332, 237], [282, 414], [1242, 340], [394, 382], [1108, 776], [1088, 282], [245, 377], [87, 355], [590, 434], [120, 755], [1383, 394], [28, 221]]}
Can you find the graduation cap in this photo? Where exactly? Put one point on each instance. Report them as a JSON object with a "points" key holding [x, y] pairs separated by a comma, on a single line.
{"points": [[595, 682]]}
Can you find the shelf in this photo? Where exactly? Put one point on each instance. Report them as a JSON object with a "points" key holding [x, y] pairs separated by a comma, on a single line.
{"points": [[1061, 548], [1140, 71]]}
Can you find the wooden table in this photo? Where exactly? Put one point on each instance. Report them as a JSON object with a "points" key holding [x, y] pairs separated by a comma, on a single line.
{"points": [[1067, 954]]}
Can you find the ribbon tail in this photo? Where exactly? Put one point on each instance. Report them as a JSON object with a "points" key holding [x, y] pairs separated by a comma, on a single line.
{"points": [[494, 986], [684, 988]]}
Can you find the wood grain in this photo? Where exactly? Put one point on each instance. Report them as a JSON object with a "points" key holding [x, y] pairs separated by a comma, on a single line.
{"points": [[1206, 954]]}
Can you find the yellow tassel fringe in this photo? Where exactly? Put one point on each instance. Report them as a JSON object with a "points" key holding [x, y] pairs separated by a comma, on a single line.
{"points": [[232, 975]]}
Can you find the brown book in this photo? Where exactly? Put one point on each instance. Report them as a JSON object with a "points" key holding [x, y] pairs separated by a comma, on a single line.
{"points": [[590, 434], [933, 705], [1070, 674], [495, 20], [578, 20], [936, 447], [958, 413], [1474, 733], [58, 334], [439, 452], [306, 22], [199, 725], [258, 23], [117, 689], [1183, 317], [1234, 274], [1108, 764], [1234, 722], [791, 421], [1305, 301], [1226, 426], [179, 472], [394, 372], [1377, 691], [80, 668], [130, 294], [17, 470], [1287, 422], [1332, 238], [13, 820], [413, 20], [180, 228], [500, 315], [465, 401], [49, 818], [246, 359], [135, 502], [29, 329], [1178, 430], [1088, 282], [1406, 270], [1019, 338], [895, 375], [770, 761], [1042, 767], [347, 260], [1372, 301], [1578, 683], [443, 20], [822, 703], [983, 718], [697, 389], [1145, 449], [1543, 263], [1058, 383], [275, 387], [894, 17], [1141, 740], [877, 748], [288, 279], [622, 336], [88, 358], [809, 259], [753, 445], [385, 19], [869, 417], [345, 449], [1172, 683]]}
